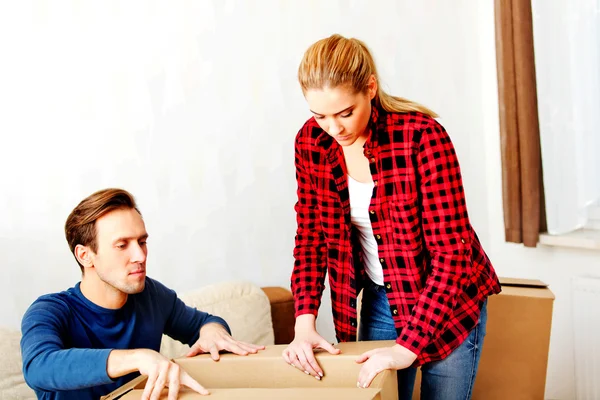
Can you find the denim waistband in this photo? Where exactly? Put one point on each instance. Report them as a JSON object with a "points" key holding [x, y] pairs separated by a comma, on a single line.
{"points": [[370, 285]]}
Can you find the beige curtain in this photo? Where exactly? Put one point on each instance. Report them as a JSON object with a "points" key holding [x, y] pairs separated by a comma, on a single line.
{"points": [[523, 192]]}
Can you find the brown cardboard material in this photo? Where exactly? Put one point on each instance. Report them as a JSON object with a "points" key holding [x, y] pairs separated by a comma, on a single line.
{"points": [[514, 358], [266, 376], [271, 394]]}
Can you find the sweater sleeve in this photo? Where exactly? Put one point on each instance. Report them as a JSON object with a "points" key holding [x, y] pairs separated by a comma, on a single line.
{"points": [[47, 364]]}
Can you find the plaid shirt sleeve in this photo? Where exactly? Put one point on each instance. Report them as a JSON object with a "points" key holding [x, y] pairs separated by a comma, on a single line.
{"points": [[445, 227], [310, 265]]}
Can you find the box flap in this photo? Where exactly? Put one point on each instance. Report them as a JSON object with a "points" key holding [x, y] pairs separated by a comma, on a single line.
{"points": [[137, 383], [525, 288], [533, 283]]}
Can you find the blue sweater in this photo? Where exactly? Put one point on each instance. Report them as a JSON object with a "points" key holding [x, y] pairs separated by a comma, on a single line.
{"points": [[67, 338]]}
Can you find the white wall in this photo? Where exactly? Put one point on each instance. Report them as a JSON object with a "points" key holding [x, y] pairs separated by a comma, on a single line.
{"points": [[193, 107]]}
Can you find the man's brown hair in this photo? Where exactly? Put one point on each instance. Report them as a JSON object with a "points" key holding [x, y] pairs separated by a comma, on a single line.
{"points": [[80, 227]]}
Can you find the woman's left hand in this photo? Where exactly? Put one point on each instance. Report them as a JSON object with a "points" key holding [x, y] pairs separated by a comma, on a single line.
{"points": [[377, 360]]}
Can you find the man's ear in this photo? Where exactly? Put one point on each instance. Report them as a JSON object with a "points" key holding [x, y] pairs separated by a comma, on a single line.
{"points": [[84, 255]]}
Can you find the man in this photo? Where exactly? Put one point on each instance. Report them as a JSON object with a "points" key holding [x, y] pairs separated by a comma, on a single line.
{"points": [[87, 341]]}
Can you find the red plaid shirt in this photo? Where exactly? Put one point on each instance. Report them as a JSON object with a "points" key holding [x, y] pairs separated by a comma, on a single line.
{"points": [[436, 273]]}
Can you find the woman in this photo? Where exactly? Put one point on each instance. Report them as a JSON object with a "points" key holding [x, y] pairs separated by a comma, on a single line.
{"points": [[381, 208]]}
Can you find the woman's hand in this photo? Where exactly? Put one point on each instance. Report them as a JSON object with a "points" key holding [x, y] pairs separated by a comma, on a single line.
{"points": [[300, 352], [377, 360]]}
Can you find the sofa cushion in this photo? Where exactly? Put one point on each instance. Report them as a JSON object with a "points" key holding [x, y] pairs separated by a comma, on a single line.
{"points": [[12, 383], [244, 306]]}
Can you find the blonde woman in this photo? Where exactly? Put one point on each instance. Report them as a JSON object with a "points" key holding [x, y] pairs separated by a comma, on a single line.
{"points": [[381, 208]]}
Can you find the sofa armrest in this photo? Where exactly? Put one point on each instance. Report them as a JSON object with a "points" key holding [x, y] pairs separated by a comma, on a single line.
{"points": [[282, 313]]}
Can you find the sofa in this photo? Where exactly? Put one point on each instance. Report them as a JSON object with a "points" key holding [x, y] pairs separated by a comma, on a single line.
{"points": [[256, 315]]}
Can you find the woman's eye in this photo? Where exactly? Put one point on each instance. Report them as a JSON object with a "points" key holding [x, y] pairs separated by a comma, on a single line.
{"points": [[347, 115]]}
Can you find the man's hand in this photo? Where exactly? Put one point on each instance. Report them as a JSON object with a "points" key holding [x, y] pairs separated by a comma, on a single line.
{"points": [[214, 337], [377, 360], [161, 372]]}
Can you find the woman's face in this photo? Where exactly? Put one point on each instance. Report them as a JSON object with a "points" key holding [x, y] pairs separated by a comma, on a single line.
{"points": [[341, 112]]}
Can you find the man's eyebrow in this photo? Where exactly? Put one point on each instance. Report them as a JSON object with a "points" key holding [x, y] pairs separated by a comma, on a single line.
{"points": [[337, 113]]}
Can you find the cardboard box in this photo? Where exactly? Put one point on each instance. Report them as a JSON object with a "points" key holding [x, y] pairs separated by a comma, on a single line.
{"points": [[270, 394], [514, 358], [267, 376]]}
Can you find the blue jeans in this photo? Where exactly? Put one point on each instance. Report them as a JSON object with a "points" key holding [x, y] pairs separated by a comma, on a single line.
{"points": [[448, 379]]}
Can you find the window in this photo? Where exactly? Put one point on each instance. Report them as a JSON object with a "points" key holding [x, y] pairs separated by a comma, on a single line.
{"points": [[548, 55]]}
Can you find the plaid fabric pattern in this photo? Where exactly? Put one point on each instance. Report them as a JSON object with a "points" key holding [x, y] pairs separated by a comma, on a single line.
{"points": [[436, 272]]}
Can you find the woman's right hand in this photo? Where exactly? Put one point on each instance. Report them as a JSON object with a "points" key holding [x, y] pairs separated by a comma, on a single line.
{"points": [[300, 353]]}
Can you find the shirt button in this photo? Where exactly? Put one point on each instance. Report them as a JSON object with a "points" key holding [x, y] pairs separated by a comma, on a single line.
{"points": [[375, 183], [381, 260], [395, 312], [462, 241], [373, 159], [353, 323], [389, 286], [372, 212], [378, 237]]}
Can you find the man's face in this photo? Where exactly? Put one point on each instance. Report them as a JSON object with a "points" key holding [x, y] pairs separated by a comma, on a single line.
{"points": [[120, 260]]}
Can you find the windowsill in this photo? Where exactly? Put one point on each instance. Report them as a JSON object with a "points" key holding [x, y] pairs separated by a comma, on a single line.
{"points": [[579, 239]]}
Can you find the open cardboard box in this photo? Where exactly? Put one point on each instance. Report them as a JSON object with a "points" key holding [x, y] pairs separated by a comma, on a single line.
{"points": [[266, 376]]}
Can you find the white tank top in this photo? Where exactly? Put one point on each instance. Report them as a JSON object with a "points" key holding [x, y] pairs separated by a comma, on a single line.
{"points": [[360, 199]]}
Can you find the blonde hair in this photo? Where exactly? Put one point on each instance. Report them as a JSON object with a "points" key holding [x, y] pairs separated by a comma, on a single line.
{"points": [[338, 61]]}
